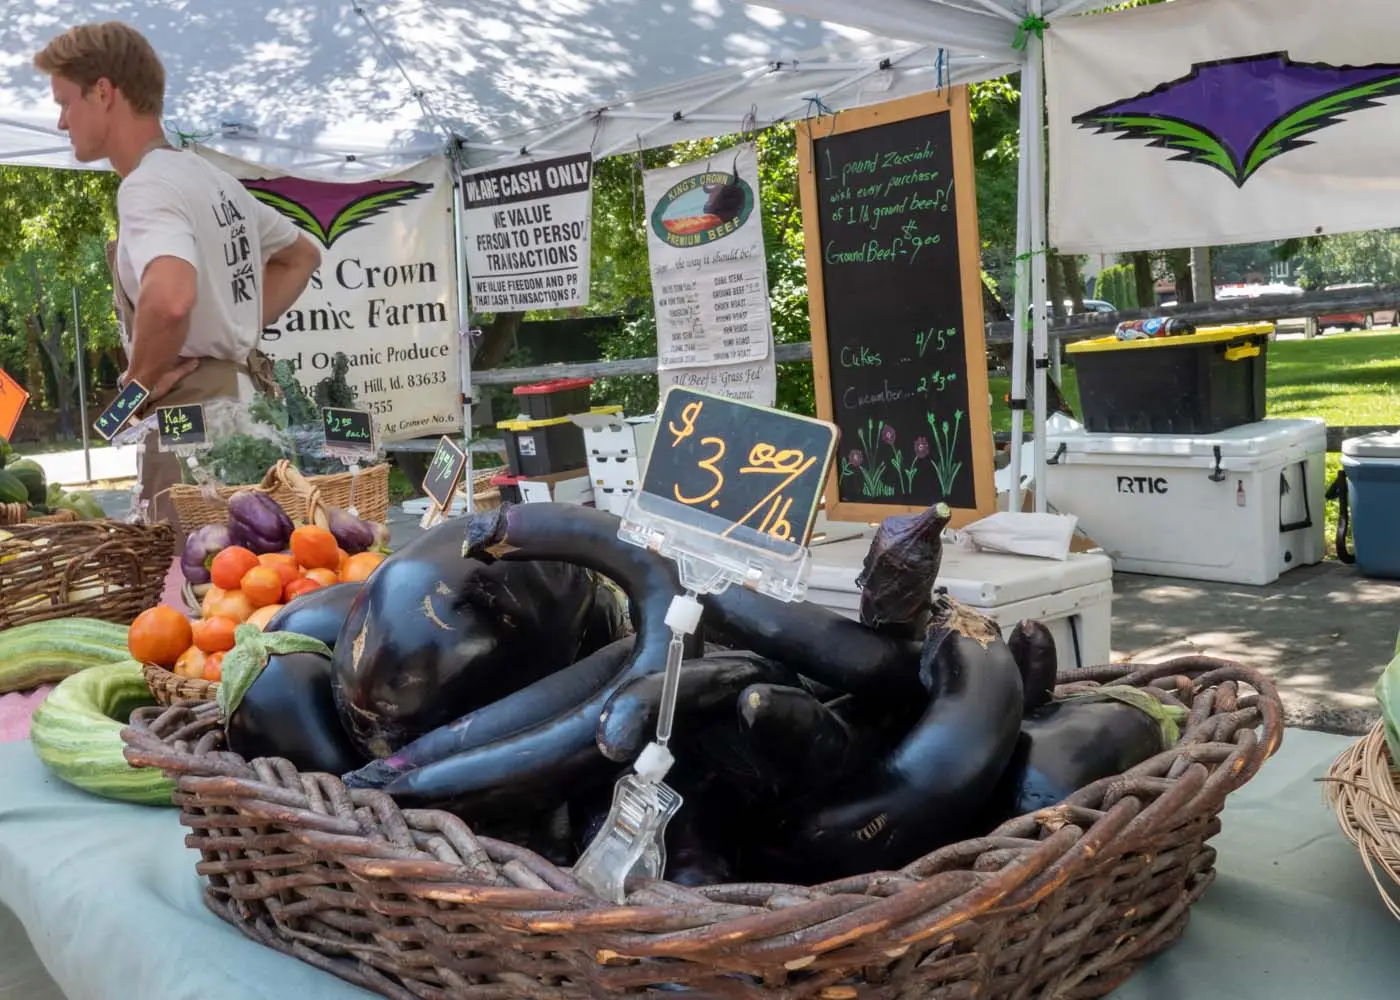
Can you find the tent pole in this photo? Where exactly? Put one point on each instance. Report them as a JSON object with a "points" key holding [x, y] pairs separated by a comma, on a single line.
{"points": [[459, 255], [82, 386], [1041, 356], [743, 81], [1020, 335]]}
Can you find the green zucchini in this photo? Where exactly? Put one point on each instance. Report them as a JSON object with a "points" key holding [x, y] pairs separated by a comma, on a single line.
{"points": [[44, 652], [76, 732]]}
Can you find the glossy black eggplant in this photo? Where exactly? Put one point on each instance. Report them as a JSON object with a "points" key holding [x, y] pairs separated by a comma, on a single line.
{"points": [[807, 745], [608, 619], [818, 643], [707, 687], [1066, 745], [929, 791], [897, 577], [319, 613], [544, 761], [1033, 648], [289, 711], [434, 635]]}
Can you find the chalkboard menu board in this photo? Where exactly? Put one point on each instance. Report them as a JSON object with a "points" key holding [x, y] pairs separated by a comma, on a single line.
{"points": [[894, 291]]}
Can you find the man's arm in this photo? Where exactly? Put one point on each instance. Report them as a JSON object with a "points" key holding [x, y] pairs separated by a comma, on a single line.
{"points": [[285, 276], [162, 325]]}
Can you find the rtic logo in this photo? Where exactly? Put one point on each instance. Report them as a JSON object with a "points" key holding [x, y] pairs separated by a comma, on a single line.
{"points": [[1141, 484]]}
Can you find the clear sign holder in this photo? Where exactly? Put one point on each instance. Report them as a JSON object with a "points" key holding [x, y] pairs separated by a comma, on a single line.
{"points": [[710, 557]]}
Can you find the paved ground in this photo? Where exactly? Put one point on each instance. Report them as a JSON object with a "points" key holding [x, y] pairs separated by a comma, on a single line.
{"points": [[1324, 633]]}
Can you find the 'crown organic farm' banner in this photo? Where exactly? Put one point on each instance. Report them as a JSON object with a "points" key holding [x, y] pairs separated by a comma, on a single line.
{"points": [[385, 293]]}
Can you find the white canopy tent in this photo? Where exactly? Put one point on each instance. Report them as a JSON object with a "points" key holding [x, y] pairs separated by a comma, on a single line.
{"points": [[340, 88]]}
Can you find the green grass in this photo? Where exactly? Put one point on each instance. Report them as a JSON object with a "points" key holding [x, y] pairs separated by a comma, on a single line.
{"points": [[1345, 379]]}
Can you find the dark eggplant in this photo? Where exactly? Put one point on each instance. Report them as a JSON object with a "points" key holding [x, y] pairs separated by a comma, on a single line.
{"points": [[896, 580], [607, 619], [1066, 745], [547, 761], [434, 635], [527, 707], [818, 643], [276, 700], [929, 791], [319, 613], [807, 744], [1033, 648], [707, 687], [258, 522]]}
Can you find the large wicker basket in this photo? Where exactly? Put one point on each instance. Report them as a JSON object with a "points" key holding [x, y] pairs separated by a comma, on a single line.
{"points": [[367, 491], [90, 569], [169, 688], [1062, 903], [1363, 789]]}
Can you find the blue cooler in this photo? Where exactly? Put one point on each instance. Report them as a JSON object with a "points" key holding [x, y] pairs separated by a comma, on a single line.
{"points": [[1372, 467]]}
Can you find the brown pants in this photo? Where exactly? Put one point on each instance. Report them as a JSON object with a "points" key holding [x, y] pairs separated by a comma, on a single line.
{"points": [[158, 470]]}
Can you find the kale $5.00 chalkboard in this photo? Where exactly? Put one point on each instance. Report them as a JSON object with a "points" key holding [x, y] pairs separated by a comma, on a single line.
{"points": [[894, 282]]}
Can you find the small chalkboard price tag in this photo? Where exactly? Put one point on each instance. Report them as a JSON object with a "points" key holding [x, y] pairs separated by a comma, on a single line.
{"points": [[443, 477], [179, 426], [745, 472], [123, 408], [348, 432]]}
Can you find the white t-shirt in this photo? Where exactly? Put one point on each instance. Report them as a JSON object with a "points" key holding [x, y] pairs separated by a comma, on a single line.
{"points": [[177, 204]]}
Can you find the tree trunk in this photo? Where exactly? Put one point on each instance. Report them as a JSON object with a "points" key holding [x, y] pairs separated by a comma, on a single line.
{"points": [[1179, 262], [1074, 281], [498, 337], [1055, 287], [50, 337], [1143, 279], [1202, 277]]}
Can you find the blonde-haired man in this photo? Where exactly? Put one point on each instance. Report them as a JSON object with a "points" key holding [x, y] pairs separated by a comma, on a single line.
{"points": [[199, 265]]}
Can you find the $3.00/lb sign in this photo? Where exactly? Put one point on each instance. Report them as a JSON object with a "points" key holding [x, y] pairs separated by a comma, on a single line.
{"points": [[741, 471]]}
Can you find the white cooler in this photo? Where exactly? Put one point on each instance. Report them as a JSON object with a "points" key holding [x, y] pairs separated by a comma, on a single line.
{"points": [[1241, 506], [1074, 598]]}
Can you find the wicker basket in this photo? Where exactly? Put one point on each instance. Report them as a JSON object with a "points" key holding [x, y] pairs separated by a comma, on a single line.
{"points": [[1062, 903], [18, 513], [367, 492], [1361, 787], [89, 569], [168, 687]]}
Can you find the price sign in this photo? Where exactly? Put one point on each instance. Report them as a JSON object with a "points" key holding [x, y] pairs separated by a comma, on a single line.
{"points": [[745, 472], [179, 426], [123, 408], [348, 431], [445, 473]]}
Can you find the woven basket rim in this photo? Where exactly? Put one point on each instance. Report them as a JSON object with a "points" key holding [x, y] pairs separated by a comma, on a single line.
{"points": [[1219, 751], [1362, 787]]}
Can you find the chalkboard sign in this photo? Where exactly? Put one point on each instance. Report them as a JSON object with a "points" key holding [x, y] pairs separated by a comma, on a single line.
{"points": [[739, 470], [894, 291], [180, 426], [123, 408], [445, 472], [348, 430]]}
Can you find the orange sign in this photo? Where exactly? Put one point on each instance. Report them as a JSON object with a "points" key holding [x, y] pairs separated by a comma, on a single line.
{"points": [[12, 400]]}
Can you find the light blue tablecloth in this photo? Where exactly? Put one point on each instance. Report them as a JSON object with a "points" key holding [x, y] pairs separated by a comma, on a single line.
{"points": [[111, 905]]}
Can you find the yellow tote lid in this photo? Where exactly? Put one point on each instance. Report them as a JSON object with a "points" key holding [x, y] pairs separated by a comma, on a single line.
{"points": [[1205, 335], [534, 425]]}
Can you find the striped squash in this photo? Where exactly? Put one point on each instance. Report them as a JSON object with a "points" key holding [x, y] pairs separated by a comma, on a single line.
{"points": [[44, 652], [76, 732]]}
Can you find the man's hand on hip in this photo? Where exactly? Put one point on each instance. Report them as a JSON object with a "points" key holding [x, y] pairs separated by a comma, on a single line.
{"points": [[161, 385]]}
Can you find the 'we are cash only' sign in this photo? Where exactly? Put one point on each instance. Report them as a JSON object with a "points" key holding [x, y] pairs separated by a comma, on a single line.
{"points": [[527, 230]]}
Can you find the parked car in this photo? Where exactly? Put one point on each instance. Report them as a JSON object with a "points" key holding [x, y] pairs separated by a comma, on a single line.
{"points": [[1357, 320]]}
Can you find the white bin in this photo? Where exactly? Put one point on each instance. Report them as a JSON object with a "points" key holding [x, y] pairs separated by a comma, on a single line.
{"points": [[1240, 506], [1074, 598]]}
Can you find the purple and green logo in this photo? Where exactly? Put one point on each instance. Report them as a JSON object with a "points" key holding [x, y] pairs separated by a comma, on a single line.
{"points": [[1236, 115], [327, 210]]}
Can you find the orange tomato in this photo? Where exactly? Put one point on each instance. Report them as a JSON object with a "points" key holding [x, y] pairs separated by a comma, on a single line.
{"points": [[211, 597], [190, 663], [262, 585], [234, 605], [214, 667], [315, 547], [229, 565], [295, 590], [341, 556], [263, 615], [359, 567], [325, 577], [159, 635], [214, 635], [284, 563]]}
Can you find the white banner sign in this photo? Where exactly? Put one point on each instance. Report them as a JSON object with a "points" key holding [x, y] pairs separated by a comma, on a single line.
{"points": [[385, 294], [1206, 122], [527, 234], [709, 278]]}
